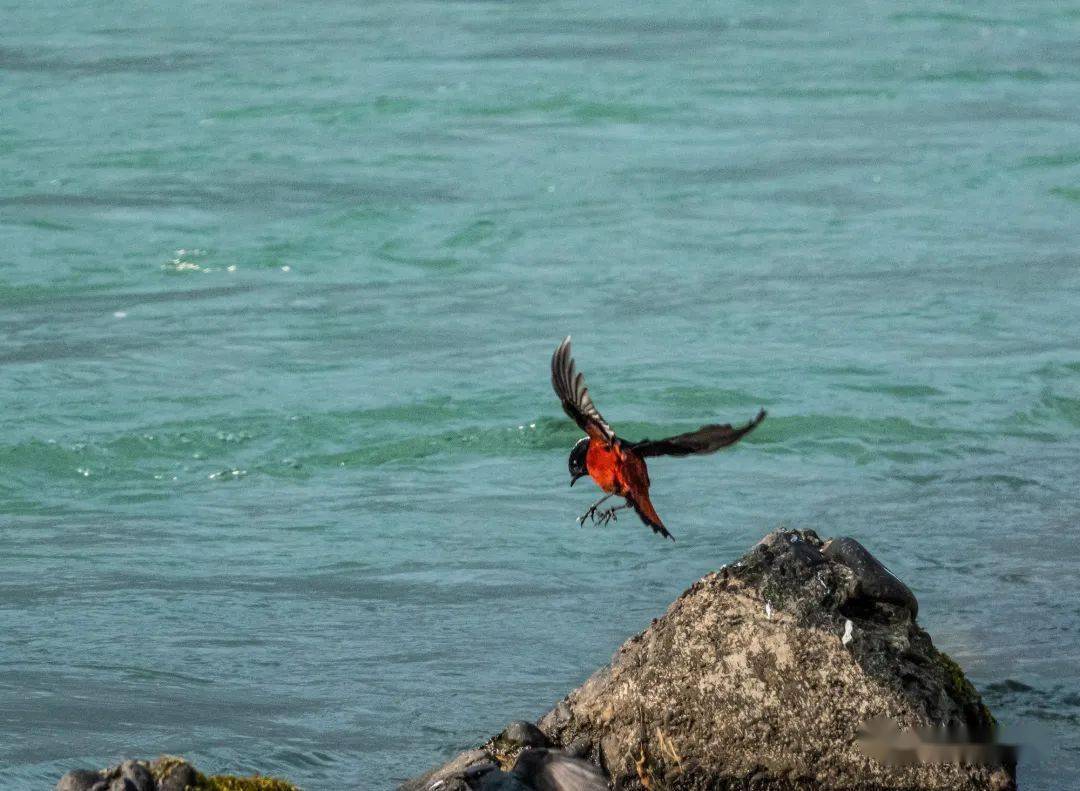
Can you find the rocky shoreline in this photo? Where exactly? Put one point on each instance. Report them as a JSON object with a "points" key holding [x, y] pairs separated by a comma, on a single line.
{"points": [[766, 675], [166, 773], [760, 676]]}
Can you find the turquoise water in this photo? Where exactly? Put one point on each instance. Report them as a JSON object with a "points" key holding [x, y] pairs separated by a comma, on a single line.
{"points": [[284, 482]]}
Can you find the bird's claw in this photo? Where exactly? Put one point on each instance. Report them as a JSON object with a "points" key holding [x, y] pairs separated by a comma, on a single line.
{"points": [[606, 517], [600, 518], [590, 514]]}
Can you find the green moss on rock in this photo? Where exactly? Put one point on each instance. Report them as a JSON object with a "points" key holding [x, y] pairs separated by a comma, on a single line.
{"points": [[163, 766], [233, 783], [958, 687], [166, 765]]}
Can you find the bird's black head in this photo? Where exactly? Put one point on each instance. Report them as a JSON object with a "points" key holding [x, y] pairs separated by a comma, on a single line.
{"points": [[577, 460]]}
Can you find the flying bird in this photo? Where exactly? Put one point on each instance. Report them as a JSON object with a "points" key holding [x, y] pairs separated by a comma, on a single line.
{"points": [[616, 465]]}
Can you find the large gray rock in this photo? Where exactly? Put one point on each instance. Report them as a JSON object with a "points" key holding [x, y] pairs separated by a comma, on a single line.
{"points": [[175, 774], [128, 776], [82, 780], [133, 776], [760, 676]]}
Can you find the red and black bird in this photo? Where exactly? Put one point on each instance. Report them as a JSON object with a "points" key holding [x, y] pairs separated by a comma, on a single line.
{"points": [[618, 466]]}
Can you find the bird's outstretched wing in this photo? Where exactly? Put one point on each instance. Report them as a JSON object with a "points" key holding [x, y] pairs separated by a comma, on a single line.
{"points": [[570, 388], [705, 440]]}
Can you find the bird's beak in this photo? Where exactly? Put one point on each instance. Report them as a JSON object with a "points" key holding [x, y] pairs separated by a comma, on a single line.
{"points": [[574, 479]]}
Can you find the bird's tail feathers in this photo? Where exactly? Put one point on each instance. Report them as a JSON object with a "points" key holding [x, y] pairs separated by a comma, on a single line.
{"points": [[645, 510]]}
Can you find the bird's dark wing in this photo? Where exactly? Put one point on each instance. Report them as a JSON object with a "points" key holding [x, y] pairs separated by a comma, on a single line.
{"points": [[705, 440], [570, 388]]}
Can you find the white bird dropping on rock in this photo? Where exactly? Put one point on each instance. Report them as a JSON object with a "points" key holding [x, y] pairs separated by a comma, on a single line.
{"points": [[848, 628]]}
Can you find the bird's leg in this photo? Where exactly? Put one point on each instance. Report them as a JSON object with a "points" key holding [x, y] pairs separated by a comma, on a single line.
{"points": [[609, 515], [592, 510]]}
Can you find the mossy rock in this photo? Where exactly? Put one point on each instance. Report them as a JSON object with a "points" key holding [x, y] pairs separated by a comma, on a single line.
{"points": [[165, 766], [961, 690], [760, 676], [234, 783]]}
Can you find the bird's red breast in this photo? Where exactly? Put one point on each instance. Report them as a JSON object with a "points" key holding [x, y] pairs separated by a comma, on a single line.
{"points": [[619, 470], [603, 462]]}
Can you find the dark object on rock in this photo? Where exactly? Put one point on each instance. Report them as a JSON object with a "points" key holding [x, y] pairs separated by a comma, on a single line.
{"points": [[874, 582], [520, 733], [759, 677], [517, 736]]}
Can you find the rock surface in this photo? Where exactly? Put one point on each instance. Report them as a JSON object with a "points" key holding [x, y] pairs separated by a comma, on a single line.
{"points": [[759, 677], [166, 773]]}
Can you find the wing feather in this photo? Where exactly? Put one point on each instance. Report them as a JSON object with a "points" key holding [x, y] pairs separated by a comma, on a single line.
{"points": [[570, 387], [706, 439]]}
